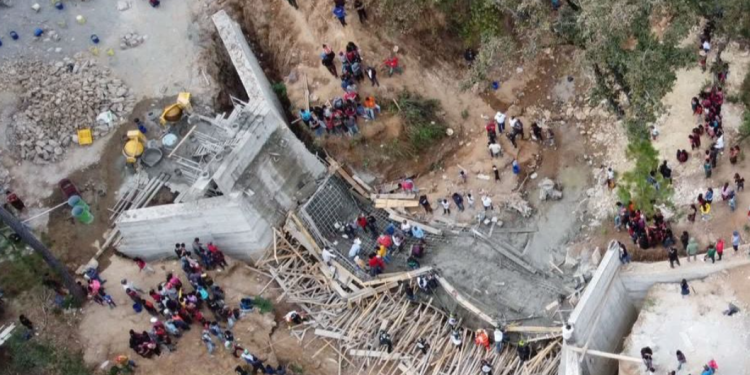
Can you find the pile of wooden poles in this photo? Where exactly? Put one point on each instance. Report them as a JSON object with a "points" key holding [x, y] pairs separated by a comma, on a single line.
{"points": [[348, 315]]}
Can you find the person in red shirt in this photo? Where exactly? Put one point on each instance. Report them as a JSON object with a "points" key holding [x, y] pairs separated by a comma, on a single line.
{"points": [[376, 265], [720, 248], [491, 131], [386, 241], [14, 200], [362, 222]]}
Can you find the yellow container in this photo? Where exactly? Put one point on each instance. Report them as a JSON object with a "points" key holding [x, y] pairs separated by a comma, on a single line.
{"points": [[84, 137], [183, 100]]}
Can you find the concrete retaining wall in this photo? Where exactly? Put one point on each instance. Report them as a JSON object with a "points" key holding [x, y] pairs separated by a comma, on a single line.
{"points": [[251, 74], [152, 232], [614, 296], [638, 280], [602, 318]]}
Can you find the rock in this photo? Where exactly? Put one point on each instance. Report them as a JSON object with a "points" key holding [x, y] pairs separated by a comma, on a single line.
{"points": [[596, 257], [292, 77], [123, 5], [58, 150]]}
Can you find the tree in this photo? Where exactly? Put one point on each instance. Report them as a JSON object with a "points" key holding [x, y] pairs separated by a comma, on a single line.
{"points": [[44, 252]]}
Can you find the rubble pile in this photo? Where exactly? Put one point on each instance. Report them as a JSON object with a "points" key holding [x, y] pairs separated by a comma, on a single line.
{"points": [[57, 99], [132, 40], [601, 200], [548, 189], [516, 202]]}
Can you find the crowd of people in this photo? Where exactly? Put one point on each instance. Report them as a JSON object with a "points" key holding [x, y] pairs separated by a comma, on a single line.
{"points": [[341, 115], [176, 307], [388, 243]]}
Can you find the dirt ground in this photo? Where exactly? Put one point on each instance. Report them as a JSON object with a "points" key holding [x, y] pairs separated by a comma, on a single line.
{"points": [[293, 48], [104, 331], [695, 325]]}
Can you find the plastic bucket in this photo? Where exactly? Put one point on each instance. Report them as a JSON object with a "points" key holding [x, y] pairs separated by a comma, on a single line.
{"points": [[75, 200], [169, 141], [82, 214]]}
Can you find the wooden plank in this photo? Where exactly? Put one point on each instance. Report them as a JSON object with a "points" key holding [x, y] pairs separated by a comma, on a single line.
{"points": [[6, 333], [464, 302], [398, 276], [181, 141], [393, 215], [378, 354], [531, 329], [393, 196], [335, 166], [388, 203], [331, 334], [362, 183], [601, 354], [406, 370]]}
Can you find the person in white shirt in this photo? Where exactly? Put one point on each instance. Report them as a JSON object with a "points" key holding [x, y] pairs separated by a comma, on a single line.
{"points": [[356, 247], [446, 206], [129, 285], [495, 150], [706, 46], [498, 336], [487, 203], [500, 121], [567, 332], [406, 227], [456, 339], [719, 145], [486, 367], [470, 200], [327, 255]]}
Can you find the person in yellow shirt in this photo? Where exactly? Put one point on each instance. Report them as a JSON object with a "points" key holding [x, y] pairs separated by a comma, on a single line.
{"points": [[382, 252]]}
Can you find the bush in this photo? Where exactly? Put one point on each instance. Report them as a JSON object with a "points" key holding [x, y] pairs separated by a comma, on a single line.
{"points": [[422, 126], [263, 305], [21, 272], [634, 185], [36, 357]]}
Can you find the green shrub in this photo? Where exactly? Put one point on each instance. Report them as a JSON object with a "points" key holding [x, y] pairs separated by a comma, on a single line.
{"points": [[263, 305], [36, 357], [422, 126]]}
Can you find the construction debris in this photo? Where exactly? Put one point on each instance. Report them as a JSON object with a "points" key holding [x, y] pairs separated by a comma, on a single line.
{"points": [[351, 327], [548, 190], [516, 202], [132, 40], [58, 98]]}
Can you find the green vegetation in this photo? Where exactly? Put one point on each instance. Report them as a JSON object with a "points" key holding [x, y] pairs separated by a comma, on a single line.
{"points": [[632, 48], [263, 305], [422, 126], [491, 56], [633, 184], [474, 19], [35, 357], [21, 272]]}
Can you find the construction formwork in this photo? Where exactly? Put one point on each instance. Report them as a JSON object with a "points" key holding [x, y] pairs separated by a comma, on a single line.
{"points": [[332, 206]]}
